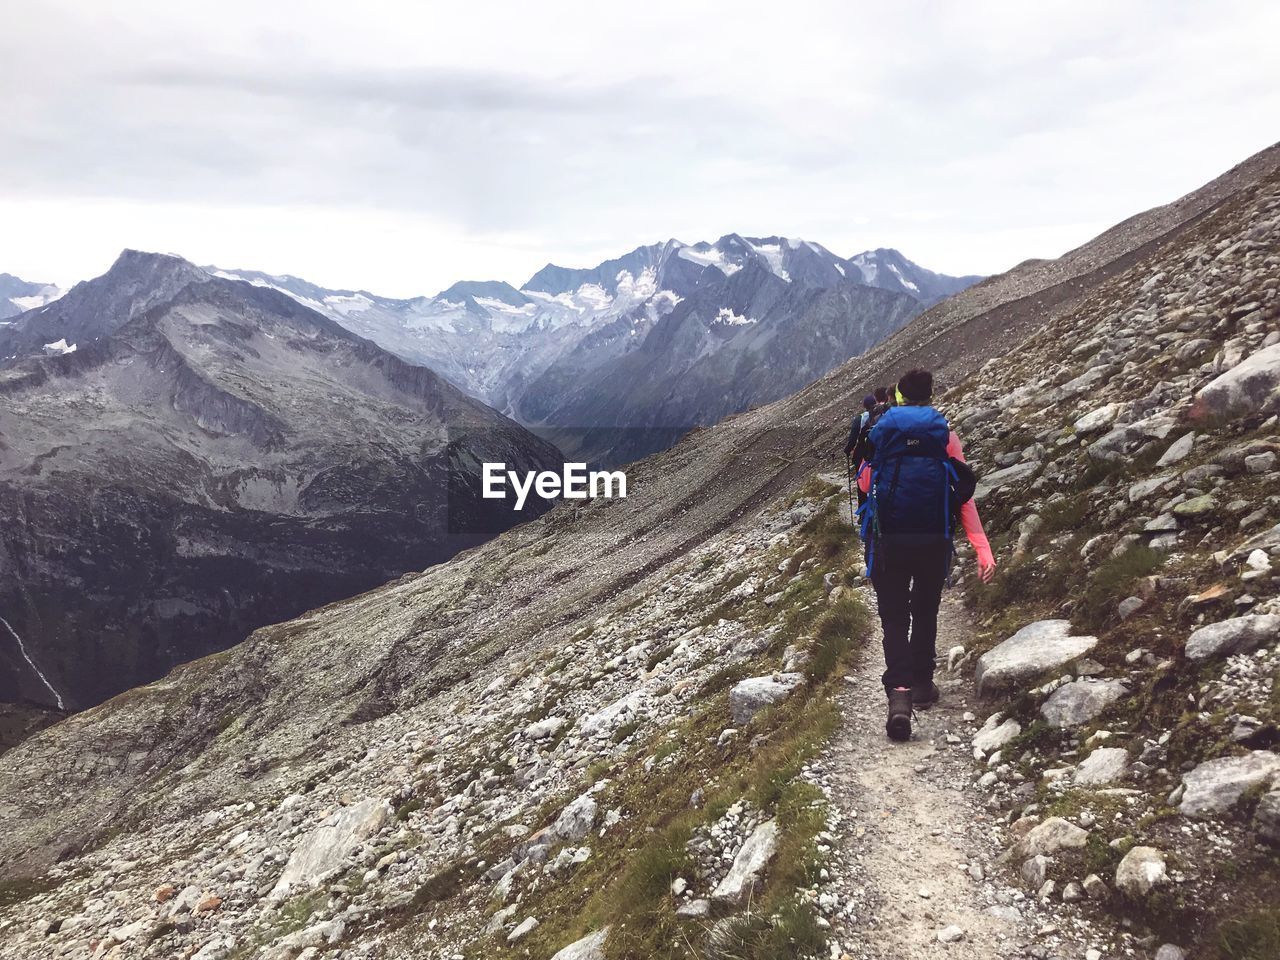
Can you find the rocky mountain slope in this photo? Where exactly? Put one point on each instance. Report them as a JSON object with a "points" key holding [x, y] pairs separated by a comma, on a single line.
{"points": [[18, 295], [603, 733], [212, 457], [620, 360]]}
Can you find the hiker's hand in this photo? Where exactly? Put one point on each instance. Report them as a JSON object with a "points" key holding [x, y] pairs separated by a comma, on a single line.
{"points": [[987, 569]]}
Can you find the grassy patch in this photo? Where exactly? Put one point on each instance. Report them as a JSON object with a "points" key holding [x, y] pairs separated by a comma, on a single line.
{"points": [[791, 931], [826, 532], [1255, 936], [1111, 583], [835, 634], [24, 888]]}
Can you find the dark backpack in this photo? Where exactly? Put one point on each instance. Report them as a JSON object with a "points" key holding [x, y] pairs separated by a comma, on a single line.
{"points": [[916, 489], [862, 449]]}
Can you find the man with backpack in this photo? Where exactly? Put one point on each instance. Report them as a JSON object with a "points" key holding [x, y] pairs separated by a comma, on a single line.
{"points": [[917, 486], [858, 447]]}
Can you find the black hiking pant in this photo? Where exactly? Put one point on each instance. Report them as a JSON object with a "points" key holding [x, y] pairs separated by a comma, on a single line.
{"points": [[908, 579]]}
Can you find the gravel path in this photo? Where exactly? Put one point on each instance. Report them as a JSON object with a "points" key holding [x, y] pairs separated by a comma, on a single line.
{"points": [[915, 845]]}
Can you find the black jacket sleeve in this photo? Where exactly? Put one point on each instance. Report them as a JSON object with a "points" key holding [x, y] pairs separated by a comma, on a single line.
{"points": [[855, 429]]}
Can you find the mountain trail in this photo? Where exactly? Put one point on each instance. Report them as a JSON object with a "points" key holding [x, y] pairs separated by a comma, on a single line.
{"points": [[915, 846]]}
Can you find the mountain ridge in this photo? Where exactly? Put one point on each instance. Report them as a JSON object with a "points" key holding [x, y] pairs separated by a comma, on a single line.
{"points": [[528, 351], [230, 428]]}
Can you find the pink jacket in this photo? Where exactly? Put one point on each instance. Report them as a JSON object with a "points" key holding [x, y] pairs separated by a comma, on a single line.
{"points": [[969, 518]]}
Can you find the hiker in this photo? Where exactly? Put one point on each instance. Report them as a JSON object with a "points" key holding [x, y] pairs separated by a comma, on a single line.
{"points": [[917, 482], [855, 446]]}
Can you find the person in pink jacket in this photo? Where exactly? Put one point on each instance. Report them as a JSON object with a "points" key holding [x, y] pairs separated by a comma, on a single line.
{"points": [[909, 551]]}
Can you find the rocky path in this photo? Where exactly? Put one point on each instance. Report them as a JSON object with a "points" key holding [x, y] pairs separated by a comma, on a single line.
{"points": [[915, 848]]}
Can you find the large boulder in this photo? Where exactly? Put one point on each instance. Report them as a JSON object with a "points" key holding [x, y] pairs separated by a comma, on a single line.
{"points": [[752, 695], [999, 478], [327, 846], [575, 820], [1141, 871], [1080, 701], [1098, 420], [1238, 635], [1036, 648], [1215, 786], [1252, 386], [1046, 839], [1105, 765], [590, 947], [748, 865]]}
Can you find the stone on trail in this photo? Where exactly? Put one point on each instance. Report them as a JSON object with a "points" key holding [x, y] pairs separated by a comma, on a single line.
{"points": [[999, 478], [1098, 420], [1141, 871], [748, 865], [1171, 951], [1239, 635], [1048, 838], [1095, 887], [995, 734], [1196, 506], [694, 910], [325, 847], [526, 926], [1266, 818], [1103, 766], [1249, 387], [590, 947], [1034, 869], [1142, 489], [547, 727], [1215, 786], [1036, 648], [1180, 449], [1129, 606], [575, 820], [950, 934], [1080, 701], [750, 696]]}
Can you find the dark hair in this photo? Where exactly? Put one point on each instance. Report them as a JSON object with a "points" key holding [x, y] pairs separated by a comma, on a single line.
{"points": [[869, 401], [882, 394], [916, 386]]}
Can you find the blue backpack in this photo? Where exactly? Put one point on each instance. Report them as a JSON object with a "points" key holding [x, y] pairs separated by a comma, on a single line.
{"points": [[915, 492]]}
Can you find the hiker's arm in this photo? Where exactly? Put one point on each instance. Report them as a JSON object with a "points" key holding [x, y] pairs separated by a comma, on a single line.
{"points": [[854, 429], [971, 522]]}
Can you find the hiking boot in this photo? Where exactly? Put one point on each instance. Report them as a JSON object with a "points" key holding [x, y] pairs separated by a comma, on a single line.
{"points": [[898, 726], [924, 697]]}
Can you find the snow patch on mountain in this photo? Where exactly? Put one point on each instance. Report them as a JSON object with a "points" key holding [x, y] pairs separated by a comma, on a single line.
{"points": [[710, 257], [772, 254], [727, 317], [903, 280]]}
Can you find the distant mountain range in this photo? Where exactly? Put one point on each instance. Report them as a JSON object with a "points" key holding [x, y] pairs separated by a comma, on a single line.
{"points": [[18, 296], [619, 360], [187, 453], [184, 458]]}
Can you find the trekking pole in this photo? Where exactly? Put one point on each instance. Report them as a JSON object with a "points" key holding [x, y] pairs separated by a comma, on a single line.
{"points": [[848, 472]]}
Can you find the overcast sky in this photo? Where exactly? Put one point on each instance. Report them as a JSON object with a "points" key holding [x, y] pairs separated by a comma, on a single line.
{"points": [[398, 147]]}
